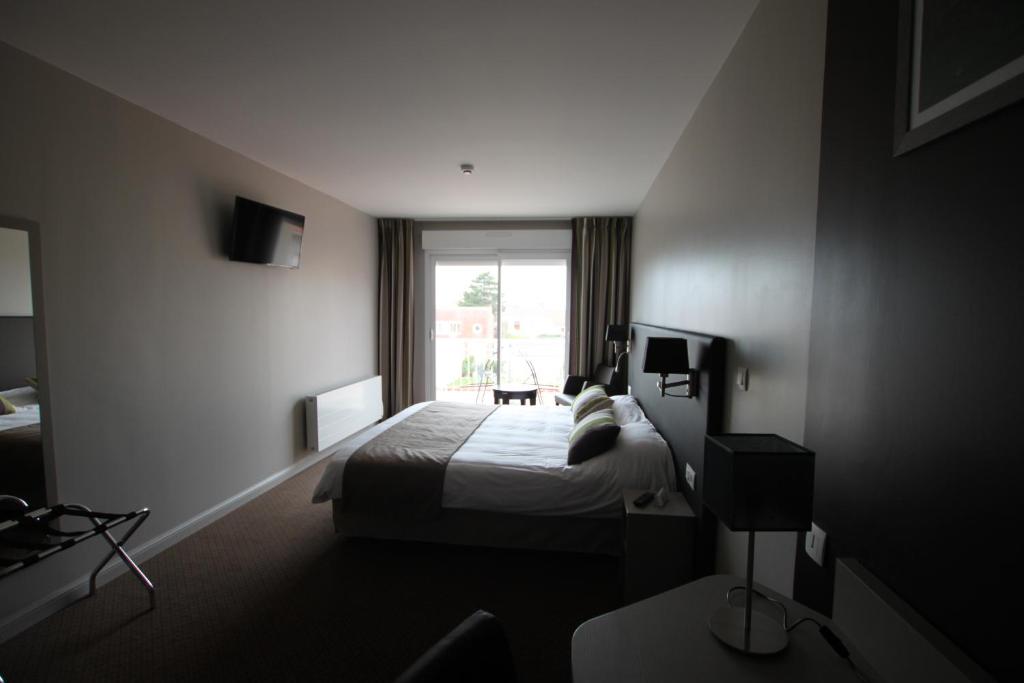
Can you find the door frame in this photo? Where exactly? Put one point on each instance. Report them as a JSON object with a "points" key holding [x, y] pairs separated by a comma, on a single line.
{"points": [[432, 257], [35, 258]]}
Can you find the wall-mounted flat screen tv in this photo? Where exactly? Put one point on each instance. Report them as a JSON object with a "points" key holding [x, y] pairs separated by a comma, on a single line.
{"points": [[265, 234]]}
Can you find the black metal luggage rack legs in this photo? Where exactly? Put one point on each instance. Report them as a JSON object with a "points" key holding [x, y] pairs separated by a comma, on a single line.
{"points": [[27, 537]]}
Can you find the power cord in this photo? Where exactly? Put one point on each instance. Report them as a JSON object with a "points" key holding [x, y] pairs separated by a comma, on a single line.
{"points": [[828, 634]]}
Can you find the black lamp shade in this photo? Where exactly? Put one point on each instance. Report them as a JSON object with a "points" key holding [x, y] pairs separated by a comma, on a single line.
{"points": [[617, 333], [759, 482], [666, 356]]}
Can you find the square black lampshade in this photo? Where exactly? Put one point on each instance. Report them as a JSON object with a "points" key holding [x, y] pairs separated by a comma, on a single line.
{"points": [[759, 482], [666, 356], [617, 333]]}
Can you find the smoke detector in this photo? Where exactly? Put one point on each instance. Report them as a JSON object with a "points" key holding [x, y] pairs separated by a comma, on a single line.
{"points": [[467, 169]]}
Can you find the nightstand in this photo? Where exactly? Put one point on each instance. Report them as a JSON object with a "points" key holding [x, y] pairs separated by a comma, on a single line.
{"points": [[660, 545]]}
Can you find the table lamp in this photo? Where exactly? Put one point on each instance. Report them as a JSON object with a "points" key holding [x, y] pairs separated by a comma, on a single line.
{"points": [[756, 482]]}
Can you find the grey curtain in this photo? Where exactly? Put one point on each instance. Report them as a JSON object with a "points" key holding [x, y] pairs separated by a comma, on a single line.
{"points": [[395, 311], [599, 288]]}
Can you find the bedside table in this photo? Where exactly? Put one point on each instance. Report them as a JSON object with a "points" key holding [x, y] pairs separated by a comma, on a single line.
{"points": [[659, 545]]}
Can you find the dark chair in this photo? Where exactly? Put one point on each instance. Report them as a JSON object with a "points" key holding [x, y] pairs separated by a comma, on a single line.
{"points": [[477, 650], [612, 377]]}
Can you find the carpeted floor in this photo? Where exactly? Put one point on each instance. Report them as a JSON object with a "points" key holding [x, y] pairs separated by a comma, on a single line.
{"points": [[269, 593]]}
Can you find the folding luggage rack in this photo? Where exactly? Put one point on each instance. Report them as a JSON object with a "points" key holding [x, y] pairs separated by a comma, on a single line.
{"points": [[28, 537]]}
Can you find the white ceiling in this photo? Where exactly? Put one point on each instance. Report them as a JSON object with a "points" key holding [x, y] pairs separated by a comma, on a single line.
{"points": [[566, 107]]}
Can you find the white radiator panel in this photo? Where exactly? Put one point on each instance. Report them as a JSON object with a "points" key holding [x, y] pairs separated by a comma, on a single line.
{"points": [[340, 413]]}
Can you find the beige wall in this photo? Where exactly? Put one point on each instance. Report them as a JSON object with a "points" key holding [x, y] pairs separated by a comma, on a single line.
{"points": [[176, 375], [724, 241], [15, 276]]}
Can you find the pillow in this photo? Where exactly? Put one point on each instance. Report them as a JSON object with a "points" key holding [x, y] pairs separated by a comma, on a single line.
{"points": [[592, 436], [627, 410], [6, 407], [589, 400]]}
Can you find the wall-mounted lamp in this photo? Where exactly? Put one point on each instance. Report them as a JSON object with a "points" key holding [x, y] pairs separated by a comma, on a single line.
{"points": [[670, 356], [618, 335]]}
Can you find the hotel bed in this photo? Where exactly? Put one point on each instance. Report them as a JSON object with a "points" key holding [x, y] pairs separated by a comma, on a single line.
{"points": [[21, 449], [509, 484]]}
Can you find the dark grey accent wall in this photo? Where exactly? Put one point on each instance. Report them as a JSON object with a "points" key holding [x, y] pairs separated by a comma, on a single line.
{"points": [[17, 351], [917, 327]]}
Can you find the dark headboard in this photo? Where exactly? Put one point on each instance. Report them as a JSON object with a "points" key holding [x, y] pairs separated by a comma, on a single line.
{"points": [[684, 421], [18, 355]]}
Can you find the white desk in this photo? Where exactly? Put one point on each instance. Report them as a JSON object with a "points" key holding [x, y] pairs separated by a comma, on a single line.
{"points": [[666, 638]]}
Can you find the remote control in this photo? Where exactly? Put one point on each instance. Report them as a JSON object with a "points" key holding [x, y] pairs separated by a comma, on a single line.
{"points": [[643, 499]]}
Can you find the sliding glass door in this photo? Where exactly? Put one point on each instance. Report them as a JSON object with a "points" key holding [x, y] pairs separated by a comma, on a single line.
{"points": [[465, 331], [533, 323], [496, 319]]}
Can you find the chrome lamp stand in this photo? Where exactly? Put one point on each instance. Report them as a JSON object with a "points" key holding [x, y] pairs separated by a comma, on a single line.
{"points": [[742, 628]]}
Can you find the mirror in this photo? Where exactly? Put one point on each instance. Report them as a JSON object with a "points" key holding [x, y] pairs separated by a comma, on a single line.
{"points": [[22, 464]]}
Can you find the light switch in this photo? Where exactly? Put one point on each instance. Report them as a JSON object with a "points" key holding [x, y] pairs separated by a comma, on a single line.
{"points": [[814, 544], [743, 378]]}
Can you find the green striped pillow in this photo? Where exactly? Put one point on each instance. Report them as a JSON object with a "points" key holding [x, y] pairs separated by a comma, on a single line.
{"points": [[592, 436], [589, 400]]}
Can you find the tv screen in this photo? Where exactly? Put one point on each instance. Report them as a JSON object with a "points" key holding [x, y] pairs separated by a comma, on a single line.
{"points": [[264, 234]]}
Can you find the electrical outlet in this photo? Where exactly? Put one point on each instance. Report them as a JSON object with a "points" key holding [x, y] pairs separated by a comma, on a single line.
{"points": [[743, 378], [814, 544], [691, 476]]}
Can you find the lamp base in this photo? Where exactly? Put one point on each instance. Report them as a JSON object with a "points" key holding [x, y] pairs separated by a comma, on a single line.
{"points": [[766, 635]]}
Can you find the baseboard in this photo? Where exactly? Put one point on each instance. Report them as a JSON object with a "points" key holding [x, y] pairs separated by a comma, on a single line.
{"points": [[76, 590]]}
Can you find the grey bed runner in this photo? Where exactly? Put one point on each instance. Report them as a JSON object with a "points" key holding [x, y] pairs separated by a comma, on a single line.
{"points": [[400, 472]]}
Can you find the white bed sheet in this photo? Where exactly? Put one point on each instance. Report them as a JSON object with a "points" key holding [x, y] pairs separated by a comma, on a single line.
{"points": [[515, 463], [26, 403]]}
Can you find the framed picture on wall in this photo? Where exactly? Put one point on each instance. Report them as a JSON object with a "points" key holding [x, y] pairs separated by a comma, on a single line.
{"points": [[959, 60]]}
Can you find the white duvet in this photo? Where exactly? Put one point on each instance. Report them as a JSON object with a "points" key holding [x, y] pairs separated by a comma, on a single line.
{"points": [[26, 402], [515, 462]]}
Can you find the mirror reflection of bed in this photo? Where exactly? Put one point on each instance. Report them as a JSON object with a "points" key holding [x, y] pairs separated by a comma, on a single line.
{"points": [[22, 471]]}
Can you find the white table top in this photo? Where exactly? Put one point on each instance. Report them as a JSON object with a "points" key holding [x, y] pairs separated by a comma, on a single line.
{"points": [[666, 638]]}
